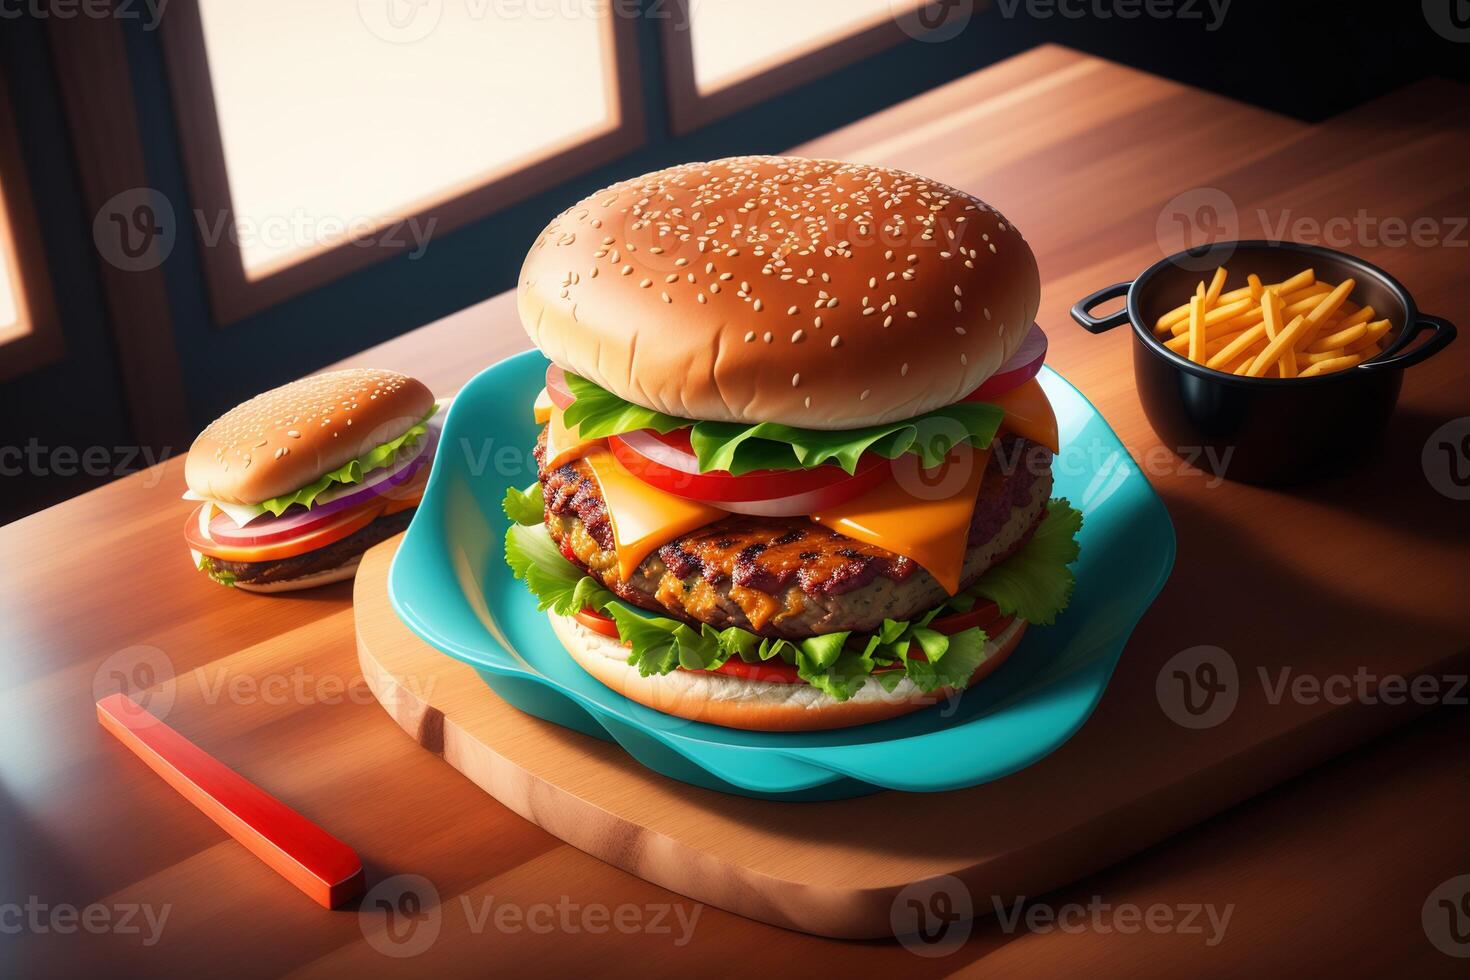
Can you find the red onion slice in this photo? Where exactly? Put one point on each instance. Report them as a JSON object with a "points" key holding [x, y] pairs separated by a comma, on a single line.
{"points": [[1022, 366]]}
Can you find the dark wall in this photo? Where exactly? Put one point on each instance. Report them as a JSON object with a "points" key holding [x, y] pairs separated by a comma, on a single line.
{"points": [[1309, 59]]}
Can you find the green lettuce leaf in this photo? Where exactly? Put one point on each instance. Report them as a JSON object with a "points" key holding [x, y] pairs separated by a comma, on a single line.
{"points": [[207, 566], [597, 412], [742, 448], [557, 584], [526, 506], [352, 471], [1035, 583]]}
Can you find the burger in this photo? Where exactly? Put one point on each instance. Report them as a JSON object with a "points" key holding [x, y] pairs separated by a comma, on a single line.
{"points": [[795, 470], [295, 484]]}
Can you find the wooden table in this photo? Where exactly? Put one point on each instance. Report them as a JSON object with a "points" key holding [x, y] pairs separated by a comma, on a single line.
{"points": [[1329, 871]]}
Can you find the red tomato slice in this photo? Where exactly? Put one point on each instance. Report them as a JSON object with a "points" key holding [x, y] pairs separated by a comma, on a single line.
{"points": [[772, 493], [598, 623], [347, 524], [775, 671], [981, 615]]}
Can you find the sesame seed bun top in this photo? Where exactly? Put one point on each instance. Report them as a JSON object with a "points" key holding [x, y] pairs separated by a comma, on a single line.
{"points": [[282, 440], [813, 293]]}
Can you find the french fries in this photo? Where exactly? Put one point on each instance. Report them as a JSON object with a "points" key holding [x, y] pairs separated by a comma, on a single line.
{"points": [[1297, 328]]}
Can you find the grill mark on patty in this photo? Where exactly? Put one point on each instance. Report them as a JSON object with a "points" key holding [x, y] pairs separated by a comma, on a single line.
{"points": [[772, 555]]}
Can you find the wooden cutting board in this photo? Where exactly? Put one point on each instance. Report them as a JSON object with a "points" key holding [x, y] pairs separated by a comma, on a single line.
{"points": [[866, 867]]}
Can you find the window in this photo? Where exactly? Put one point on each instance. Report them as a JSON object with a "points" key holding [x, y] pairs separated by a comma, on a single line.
{"points": [[727, 54], [322, 137], [30, 336], [14, 322]]}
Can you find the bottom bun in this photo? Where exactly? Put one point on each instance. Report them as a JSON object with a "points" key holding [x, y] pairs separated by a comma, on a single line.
{"points": [[339, 574], [762, 706]]}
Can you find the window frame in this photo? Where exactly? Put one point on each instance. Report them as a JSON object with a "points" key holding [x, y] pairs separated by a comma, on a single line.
{"points": [[234, 296], [41, 342], [689, 109]]}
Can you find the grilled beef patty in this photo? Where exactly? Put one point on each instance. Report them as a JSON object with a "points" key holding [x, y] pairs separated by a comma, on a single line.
{"points": [[334, 555], [789, 576]]}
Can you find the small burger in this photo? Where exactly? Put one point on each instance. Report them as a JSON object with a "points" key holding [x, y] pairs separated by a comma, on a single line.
{"points": [[295, 484], [795, 470]]}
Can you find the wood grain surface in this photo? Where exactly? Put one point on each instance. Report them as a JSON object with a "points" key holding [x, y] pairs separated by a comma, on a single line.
{"points": [[1080, 809], [1361, 572]]}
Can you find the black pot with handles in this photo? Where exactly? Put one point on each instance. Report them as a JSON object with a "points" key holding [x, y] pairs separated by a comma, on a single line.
{"points": [[1275, 430]]}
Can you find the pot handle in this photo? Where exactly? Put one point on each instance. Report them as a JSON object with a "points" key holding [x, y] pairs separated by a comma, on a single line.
{"points": [[1082, 309], [1442, 332]]}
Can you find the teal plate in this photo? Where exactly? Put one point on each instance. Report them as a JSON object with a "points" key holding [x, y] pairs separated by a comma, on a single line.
{"points": [[450, 585]]}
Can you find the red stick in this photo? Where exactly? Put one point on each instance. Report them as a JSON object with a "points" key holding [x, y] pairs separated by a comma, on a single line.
{"points": [[300, 851]]}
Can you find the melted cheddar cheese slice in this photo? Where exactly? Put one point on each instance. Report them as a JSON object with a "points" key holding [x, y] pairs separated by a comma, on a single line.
{"points": [[1029, 414], [542, 409], [643, 518], [563, 444], [920, 514]]}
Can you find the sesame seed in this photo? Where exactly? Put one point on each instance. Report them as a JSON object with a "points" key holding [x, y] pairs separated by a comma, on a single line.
{"points": [[808, 401], [836, 340], [768, 336], [888, 320], [904, 371], [645, 283], [665, 297], [795, 380], [699, 298], [758, 306], [864, 396], [796, 337], [958, 306], [626, 270], [749, 336], [912, 315], [992, 246], [960, 331]]}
